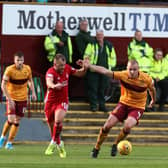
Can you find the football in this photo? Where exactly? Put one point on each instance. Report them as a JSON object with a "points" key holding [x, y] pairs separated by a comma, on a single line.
{"points": [[124, 147]]}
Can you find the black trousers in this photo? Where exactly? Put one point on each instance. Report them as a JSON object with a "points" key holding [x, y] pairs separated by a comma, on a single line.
{"points": [[162, 86], [96, 85]]}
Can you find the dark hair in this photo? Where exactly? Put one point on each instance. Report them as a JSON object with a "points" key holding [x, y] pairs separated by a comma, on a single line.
{"points": [[19, 54], [60, 56], [158, 49]]}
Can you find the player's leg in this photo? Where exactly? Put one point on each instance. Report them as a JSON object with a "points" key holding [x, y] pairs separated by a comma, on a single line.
{"points": [[49, 114], [133, 116], [15, 120], [5, 130], [111, 121], [7, 125], [59, 116]]}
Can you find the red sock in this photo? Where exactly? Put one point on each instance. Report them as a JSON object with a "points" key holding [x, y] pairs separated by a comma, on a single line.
{"points": [[56, 132]]}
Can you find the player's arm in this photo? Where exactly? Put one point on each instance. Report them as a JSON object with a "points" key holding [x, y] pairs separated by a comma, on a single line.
{"points": [[31, 86], [101, 70], [152, 92], [80, 72], [51, 85], [6, 93]]}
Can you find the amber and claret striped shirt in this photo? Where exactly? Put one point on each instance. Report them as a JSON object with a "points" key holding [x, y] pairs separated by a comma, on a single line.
{"points": [[134, 91], [17, 84]]}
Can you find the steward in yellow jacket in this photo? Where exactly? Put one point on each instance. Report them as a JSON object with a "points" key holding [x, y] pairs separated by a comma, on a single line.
{"points": [[101, 53], [139, 50], [58, 41]]}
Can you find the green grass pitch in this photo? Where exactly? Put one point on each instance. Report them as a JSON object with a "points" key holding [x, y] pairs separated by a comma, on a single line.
{"points": [[78, 156]]}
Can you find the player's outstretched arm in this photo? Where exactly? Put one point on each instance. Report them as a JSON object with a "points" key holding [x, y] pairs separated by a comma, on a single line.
{"points": [[101, 70]]}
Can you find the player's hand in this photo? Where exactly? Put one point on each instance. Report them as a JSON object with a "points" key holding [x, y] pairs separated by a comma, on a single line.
{"points": [[34, 97], [86, 63], [152, 102], [79, 62], [11, 104], [58, 86]]}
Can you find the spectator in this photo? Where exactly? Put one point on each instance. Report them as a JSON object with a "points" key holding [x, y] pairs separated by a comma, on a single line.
{"points": [[158, 73], [100, 52], [139, 50], [58, 41], [83, 38]]}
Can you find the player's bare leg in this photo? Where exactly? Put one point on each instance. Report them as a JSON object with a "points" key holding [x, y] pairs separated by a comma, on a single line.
{"points": [[111, 121], [14, 120], [129, 123], [5, 130]]}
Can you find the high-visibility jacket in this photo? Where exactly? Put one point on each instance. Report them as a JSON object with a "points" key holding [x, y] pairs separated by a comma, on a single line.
{"points": [[142, 53], [157, 69], [92, 49], [165, 65], [51, 45]]}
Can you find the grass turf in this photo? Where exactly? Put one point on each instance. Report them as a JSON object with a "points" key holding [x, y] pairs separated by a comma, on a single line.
{"points": [[78, 156]]}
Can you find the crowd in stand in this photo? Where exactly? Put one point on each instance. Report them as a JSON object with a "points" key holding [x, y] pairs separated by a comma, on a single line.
{"points": [[101, 52]]}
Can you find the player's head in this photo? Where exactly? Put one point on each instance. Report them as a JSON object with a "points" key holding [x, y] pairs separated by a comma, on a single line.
{"points": [[138, 35], [83, 25], [59, 63], [158, 54], [19, 59], [133, 69]]}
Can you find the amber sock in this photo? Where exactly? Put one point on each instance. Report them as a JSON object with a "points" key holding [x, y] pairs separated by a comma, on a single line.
{"points": [[13, 131], [121, 136], [101, 137], [6, 128]]}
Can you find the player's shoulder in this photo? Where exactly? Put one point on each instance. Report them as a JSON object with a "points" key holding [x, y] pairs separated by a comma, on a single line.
{"points": [[10, 69], [145, 76], [27, 67]]}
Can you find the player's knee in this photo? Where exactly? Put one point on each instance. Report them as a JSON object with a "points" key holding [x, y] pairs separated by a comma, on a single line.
{"points": [[9, 123], [127, 128], [16, 124], [106, 128]]}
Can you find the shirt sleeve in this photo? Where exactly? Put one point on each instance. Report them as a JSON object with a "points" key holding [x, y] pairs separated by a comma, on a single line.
{"points": [[49, 74], [7, 72], [30, 72], [117, 75]]}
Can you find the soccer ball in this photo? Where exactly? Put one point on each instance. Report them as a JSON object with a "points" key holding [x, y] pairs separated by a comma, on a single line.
{"points": [[124, 147]]}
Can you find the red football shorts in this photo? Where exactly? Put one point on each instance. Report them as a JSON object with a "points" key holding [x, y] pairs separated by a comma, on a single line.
{"points": [[20, 108], [50, 109], [123, 111]]}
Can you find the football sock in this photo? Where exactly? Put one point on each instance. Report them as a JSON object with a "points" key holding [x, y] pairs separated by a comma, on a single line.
{"points": [[13, 131], [6, 127], [56, 132], [101, 137], [52, 142], [121, 136]]}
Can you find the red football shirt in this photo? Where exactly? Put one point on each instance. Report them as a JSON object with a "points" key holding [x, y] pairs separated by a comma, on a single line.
{"points": [[55, 95]]}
